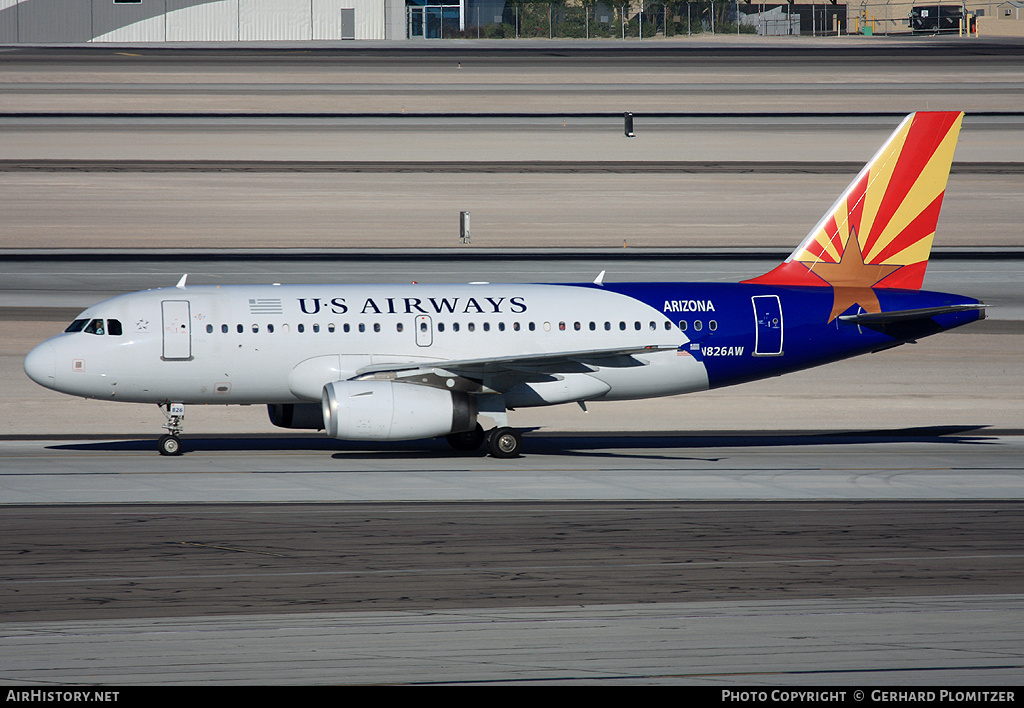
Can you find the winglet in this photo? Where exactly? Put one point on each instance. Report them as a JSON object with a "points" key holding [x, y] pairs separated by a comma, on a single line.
{"points": [[181, 283]]}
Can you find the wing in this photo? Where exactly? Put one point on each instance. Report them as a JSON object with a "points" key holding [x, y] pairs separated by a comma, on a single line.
{"points": [[499, 374]]}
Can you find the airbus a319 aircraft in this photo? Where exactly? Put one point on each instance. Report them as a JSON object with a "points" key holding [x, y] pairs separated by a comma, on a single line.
{"points": [[404, 362]]}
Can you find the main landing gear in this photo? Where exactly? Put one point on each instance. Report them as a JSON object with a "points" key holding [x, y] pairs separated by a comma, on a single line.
{"points": [[502, 442], [170, 444]]}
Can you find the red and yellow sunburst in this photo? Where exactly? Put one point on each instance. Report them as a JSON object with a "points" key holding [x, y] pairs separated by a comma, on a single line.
{"points": [[879, 234]]}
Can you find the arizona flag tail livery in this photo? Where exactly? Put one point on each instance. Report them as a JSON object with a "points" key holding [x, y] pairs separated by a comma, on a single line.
{"points": [[382, 362], [879, 233]]}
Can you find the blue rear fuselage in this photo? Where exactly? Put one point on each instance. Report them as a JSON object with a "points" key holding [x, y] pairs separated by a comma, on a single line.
{"points": [[744, 332]]}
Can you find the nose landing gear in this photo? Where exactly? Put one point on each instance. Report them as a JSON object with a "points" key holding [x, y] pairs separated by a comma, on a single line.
{"points": [[170, 444]]}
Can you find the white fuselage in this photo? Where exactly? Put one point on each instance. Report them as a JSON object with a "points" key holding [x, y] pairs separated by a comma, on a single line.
{"points": [[283, 343]]}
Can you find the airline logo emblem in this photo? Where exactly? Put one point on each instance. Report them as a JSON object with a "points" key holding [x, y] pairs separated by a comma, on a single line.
{"points": [[415, 305]]}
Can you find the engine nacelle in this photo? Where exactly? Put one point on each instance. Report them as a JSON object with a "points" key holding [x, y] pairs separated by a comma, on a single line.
{"points": [[297, 416], [385, 410]]}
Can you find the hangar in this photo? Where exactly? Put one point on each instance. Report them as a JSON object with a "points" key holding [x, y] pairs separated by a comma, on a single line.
{"points": [[73, 21]]}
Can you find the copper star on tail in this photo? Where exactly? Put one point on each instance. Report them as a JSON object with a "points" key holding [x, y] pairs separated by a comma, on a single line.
{"points": [[851, 278]]}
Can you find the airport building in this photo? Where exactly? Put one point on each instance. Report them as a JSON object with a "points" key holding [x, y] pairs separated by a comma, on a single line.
{"points": [[73, 21], [127, 21]]}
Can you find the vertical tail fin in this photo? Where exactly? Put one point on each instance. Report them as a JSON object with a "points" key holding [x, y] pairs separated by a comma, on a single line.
{"points": [[879, 233]]}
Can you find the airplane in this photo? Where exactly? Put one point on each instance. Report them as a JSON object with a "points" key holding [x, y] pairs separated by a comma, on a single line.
{"points": [[418, 361]]}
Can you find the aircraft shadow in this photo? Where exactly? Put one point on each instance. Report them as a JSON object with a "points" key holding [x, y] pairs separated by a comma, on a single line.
{"points": [[553, 444]]}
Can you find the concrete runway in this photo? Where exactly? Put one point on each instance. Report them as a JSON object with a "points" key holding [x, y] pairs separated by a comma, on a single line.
{"points": [[855, 643], [218, 141], [926, 463], [833, 75], [238, 210], [82, 278], [854, 524]]}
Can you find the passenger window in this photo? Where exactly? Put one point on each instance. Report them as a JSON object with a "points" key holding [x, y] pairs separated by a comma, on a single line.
{"points": [[114, 328], [209, 329], [682, 325], [713, 325], [241, 329], [224, 329], [301, 328], [270, 328], [330, 327], [697, 325]]}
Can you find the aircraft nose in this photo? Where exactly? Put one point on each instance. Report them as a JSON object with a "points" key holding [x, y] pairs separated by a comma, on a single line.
{"points": [[41, 365]]}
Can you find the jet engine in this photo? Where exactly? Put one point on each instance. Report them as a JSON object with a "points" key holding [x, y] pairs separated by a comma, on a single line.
{"points": [[297, 416], [385, 410]]}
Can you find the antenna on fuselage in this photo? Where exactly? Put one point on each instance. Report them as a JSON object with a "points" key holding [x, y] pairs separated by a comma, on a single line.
{"points": [[181, 283], [599, 280]]}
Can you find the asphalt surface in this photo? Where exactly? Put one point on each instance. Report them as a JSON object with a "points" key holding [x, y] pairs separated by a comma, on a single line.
{"points": [[128, 561]]}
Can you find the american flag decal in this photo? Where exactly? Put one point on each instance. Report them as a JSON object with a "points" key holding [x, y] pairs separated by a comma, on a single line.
{"points": [[265, 306]]}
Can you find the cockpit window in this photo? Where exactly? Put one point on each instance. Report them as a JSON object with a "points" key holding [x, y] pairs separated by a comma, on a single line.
{"points": [[96, 327]]}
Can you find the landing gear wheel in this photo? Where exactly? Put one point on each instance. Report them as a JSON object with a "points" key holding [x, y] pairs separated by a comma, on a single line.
{"points": [[169, 445], [467, 441], [504, 443]]}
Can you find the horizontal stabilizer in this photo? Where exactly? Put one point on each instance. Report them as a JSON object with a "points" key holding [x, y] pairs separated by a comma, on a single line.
{"points": [[923, 313]]}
